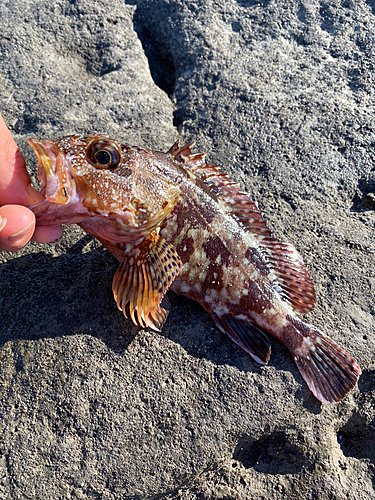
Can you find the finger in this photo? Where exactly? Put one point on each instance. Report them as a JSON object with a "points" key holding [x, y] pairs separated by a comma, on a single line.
{"points": [[47, 234], [15, 185], [17, 224]]}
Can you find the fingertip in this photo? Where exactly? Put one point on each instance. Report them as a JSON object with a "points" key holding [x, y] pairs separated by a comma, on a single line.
{"points": [[47, 234], [34, 195], [14, 176], [18, 227]]}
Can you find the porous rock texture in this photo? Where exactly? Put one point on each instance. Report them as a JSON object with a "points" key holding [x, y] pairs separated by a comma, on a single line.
{"points": [[280, 94]]}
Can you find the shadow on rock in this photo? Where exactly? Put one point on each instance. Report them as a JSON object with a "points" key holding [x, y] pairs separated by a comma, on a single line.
{"points": [[278, 452], [46, 296], [357, 436]]}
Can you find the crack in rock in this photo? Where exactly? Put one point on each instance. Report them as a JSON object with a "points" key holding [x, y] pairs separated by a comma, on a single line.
{"points": [[157, 51]]}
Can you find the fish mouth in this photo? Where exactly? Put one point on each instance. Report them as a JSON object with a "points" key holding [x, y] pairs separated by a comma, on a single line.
{"points": [[57, 186]]}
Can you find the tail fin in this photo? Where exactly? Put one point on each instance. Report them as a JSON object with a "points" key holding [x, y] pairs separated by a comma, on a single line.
{"points": [[328, 370]]}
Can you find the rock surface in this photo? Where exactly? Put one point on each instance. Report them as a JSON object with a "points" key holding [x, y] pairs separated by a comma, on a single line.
{"points": [[281, 95]]}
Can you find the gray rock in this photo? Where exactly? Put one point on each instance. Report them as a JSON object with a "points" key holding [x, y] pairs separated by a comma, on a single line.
{"points": [[281, 95]]}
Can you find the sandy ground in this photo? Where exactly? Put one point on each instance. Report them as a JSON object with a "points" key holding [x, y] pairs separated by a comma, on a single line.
{"points": [[281, 96]]}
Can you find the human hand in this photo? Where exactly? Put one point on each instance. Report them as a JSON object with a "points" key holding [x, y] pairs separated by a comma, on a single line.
{"points": [[17, 222]]}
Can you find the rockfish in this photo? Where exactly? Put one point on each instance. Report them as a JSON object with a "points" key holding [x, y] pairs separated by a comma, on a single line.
{"points": [[175, 222]]}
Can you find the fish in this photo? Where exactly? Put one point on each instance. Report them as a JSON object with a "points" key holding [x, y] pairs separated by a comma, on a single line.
{"points": [[175, 222]]}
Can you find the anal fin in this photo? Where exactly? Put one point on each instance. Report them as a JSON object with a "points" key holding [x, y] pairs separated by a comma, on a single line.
{"points": [[144, 275], [247, 335]]}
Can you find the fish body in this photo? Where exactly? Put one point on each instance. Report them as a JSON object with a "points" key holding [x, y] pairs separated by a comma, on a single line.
{"points": [[175, 222]]}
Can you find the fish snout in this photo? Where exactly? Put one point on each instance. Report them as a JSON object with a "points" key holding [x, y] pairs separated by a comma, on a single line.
{"points": [[56, 183]]}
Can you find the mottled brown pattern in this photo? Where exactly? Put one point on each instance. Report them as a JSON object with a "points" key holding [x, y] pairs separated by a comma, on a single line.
{"points": [[207, 214], [174, 221], [214, 278], [254, 256], [185, 249], [219, 260], [258, 297], [214, 247], [184, 217], [294, 324]]}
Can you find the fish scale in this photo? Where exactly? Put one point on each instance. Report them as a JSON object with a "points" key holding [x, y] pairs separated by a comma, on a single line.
{"points": [[175, 222]]}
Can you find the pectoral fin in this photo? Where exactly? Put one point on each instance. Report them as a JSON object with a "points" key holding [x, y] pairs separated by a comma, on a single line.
{"points": [[144, 275]]}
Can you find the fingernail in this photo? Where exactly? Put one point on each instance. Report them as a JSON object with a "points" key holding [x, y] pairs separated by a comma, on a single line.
{"points": [[17, 236], [3, 222], [34, 195], [56, 241]]}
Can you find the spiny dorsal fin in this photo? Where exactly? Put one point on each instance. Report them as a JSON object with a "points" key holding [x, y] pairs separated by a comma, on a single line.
{"points": [[238, 203], [292, 275], [184, 154], [173, 148]]}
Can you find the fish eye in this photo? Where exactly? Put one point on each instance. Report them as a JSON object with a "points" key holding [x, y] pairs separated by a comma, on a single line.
{"points": [[103, 157], [103, 153]]}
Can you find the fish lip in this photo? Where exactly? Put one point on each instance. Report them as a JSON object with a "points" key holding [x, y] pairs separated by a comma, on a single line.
{"points": [[39, 146], [56, 184]]}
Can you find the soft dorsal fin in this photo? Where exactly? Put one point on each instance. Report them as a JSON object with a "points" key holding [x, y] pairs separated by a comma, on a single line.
{"points": [[294, 279], [291, 273]]}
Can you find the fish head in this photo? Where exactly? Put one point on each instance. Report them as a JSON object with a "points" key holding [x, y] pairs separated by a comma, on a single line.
{"points": [[96, 177]]}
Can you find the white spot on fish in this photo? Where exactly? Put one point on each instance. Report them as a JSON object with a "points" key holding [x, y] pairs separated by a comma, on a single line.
{"points": [[184, 287], [221, 310], [211, 295], [308, 342], [281, 321], [202, 275], [272, 276], [242, 317]]}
